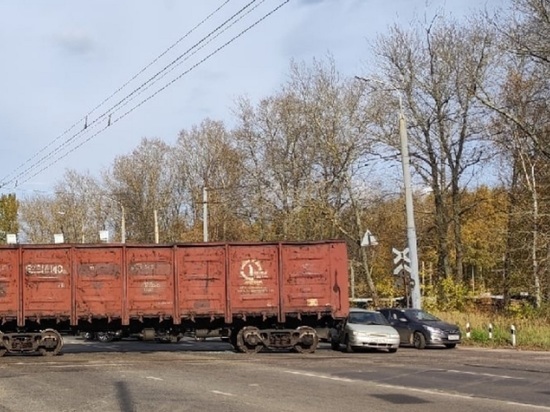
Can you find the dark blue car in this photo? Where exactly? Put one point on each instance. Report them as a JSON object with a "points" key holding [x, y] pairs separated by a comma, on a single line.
{"points": [[421, 329]]}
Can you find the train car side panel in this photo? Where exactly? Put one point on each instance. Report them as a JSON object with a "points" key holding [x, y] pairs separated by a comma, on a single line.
{"points": [[9, 284], [47, 283], [254, 279], [339, 279], [201, 281], [99, 283], [150, 288], [307, 286]]}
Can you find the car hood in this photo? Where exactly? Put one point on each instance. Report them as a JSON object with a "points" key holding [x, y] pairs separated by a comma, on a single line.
{"points": [[442, 325], [375, 329]]}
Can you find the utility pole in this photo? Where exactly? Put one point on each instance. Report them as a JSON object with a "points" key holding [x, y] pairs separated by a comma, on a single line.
{"points": [[205, 213], [411, 227], [156, 226], [123, 225]]}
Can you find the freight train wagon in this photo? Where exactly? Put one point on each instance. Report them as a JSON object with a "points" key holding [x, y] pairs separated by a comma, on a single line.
{"points": [[274, 295]]}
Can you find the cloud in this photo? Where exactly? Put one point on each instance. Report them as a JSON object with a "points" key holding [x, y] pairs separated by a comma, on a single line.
{"points": [[74, 42]]}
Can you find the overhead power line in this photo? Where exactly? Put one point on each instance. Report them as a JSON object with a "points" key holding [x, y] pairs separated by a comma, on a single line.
{"points": [[158, 91], [27, 174], [84, 119]]}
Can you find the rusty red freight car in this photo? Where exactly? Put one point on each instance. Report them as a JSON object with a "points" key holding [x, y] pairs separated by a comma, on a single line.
{"points": [[260, 295]]}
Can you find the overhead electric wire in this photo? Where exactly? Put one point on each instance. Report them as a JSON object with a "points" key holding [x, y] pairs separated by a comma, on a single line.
{"points": [[160, 90], [84, 118], [110, 111]]}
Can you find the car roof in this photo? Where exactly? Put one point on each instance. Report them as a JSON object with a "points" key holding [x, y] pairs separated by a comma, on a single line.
{"points": [[360, 310]]}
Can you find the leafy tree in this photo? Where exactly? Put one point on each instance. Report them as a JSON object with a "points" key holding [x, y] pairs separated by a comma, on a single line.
{"points": [[8, 215]]}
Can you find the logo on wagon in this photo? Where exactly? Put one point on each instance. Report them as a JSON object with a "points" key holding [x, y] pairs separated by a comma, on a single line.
{"points": [[45, 269], [252, 272]]}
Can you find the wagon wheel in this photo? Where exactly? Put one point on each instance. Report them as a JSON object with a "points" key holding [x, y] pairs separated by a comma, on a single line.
{"points": [[244, 346], [51, 342], [308, 347]]}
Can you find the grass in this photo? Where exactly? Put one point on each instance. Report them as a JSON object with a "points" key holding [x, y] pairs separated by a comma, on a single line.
{"points": [[531, 333]]}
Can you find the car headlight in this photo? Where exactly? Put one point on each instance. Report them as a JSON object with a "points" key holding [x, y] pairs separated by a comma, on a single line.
{"points": [[432, 329]]}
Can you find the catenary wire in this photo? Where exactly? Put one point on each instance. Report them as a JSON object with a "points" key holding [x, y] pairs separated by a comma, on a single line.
{"points": [[110, 111], [158, 91], [84, 118]]}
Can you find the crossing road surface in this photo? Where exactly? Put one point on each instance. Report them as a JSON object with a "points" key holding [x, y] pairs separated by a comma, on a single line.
{"points": [[209, 376]]}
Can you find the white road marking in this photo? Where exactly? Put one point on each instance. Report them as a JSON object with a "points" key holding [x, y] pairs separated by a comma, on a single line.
{"points": [[544, 408], [72, 365], [419, 390], [154, 378], [490, 375], [316, 375], [91, 365], [223, 393]]}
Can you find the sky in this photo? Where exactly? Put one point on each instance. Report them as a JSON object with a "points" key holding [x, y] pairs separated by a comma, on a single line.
{"points": [[82, 82]]}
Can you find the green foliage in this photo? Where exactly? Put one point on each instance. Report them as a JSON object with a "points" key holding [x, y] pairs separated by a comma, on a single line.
{"points": [[8, 215], [451, 295], [532, 334]]}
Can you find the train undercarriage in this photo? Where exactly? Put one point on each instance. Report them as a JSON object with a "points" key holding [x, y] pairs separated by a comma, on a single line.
{"points": [[251, 339], [246, 336], [47, 342]]}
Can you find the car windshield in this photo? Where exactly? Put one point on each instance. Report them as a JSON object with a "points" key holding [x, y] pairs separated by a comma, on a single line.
{"points": [[420, 315], [367, 318]]}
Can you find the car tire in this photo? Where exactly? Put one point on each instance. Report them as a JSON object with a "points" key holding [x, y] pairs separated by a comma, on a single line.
{"points": [[392, 350], [104, 337], [349, 348], [450, 345], [419, 341]]}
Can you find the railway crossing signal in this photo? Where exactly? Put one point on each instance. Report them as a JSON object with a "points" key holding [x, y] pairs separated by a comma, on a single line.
{"points": [[402, 261], [402, 271]]}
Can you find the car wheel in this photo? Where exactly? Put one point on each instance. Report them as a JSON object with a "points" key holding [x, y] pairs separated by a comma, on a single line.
{"points": [[392, 350], [450, 345], [104, 337], [88, 335], [419, 341], [335, 345], [349, 348]]}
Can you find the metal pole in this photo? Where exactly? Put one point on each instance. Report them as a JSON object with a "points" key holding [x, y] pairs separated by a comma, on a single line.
{"points": [[205, 213], [411, 229], [156, 226], [123, 225]]}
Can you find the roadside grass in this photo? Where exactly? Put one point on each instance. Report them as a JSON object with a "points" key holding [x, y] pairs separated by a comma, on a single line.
{"points": [[532, 333]]}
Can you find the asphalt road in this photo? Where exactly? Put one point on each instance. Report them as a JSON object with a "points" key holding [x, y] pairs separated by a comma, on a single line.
{"points": [[209, 376]]}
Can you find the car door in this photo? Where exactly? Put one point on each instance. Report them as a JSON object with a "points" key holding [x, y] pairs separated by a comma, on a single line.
{"points": [[400, 323], [338, 333]]}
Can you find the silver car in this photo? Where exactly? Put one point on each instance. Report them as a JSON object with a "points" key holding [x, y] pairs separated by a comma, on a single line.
{"points": [[365, 329]]}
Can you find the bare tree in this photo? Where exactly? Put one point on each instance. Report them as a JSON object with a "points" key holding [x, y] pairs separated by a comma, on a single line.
{"points": [[72, 210], [144, 182], [519, 99], [305, 149], [436, 67], [208, 161]]}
